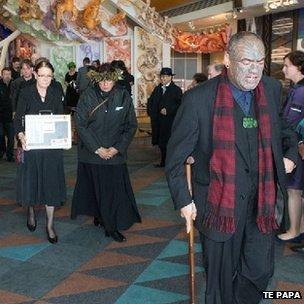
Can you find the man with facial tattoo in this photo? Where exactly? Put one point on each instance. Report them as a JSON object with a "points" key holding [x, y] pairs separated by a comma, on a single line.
{"points": [[232, 128]]}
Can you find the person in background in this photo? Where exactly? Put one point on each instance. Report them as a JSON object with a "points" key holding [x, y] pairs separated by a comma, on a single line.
{"points": [[215, 69], [232, 128], [82, 81], [71, 96], [106, 124], [15, 68], [34, 57], [293, 113], [6, 116], [40, 173], [197, 79], [96, 64], [26, 79], [127, 80], [162, 107]]}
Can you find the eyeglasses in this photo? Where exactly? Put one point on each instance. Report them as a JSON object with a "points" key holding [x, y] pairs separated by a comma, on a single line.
{"points": [[45, 76]]}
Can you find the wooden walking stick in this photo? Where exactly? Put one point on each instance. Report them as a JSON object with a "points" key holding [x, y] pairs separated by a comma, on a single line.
{"points": [[190, 161]]}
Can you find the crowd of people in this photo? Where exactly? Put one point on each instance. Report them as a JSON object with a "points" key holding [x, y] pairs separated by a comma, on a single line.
{"points": [[104, 114], [246, 146]]}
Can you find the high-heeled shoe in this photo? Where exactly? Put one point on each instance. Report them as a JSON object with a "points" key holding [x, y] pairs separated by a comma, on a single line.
{"points": [[296, 239], [52, 240], [116, 236], [97, 222], [31, 227]]}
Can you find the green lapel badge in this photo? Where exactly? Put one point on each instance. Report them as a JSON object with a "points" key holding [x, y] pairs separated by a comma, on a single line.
{"points": [[249, 123]]}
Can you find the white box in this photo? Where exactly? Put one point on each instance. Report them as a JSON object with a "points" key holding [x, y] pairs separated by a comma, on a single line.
{"points": [[48, 132]]}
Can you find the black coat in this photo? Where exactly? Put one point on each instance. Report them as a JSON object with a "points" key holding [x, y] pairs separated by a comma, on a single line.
{"points": [[29, 102], [162, 124], [113, 125], [192, 135], [126, 82], [82, 81], [6, 107], [17, 85]]}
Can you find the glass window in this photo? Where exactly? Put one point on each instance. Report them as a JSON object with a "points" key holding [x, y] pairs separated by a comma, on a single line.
{"points": [[184, 65]]}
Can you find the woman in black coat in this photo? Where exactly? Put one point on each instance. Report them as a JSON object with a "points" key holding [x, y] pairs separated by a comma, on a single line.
{"points": [[40, 173], [106, 124], [71, 96]]}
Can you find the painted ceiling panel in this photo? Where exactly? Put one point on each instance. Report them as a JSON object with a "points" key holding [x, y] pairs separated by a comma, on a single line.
{"points": [[163, 5]]}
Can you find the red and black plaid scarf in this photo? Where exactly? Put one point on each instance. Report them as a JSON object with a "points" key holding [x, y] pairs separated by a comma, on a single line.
{"points": [[222, 189]]}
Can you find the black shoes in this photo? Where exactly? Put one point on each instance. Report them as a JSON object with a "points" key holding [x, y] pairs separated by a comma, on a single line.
{"points": [[97, 222], [116, 236], [30, 225], [53, 239], [297, 239], [159, 165]]}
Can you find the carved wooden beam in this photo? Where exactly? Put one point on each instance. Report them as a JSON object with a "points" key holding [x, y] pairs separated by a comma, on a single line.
{"points": [[4, 45]]}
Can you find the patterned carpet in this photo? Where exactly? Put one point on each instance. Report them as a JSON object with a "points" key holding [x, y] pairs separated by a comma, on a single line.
{"points": [[85, 267]]}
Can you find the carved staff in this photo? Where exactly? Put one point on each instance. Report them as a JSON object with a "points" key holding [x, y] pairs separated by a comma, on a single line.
{"points": [[189, 162]]}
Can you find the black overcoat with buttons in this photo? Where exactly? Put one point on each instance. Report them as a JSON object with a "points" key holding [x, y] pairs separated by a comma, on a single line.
{"points": [[192, 135], [113, 124], [162, 124]]}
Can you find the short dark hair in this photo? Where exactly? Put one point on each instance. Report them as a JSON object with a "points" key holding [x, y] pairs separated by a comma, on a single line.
{"points": [[6, 69], [97, 62], [119, 64], [200, 77], [26, 62], [42, 64], [15, 59], [297, 59], [106, 68], [86, 60]]}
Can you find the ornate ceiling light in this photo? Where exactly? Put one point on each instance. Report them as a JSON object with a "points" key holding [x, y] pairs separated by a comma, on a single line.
{"points": [[275, 4]]}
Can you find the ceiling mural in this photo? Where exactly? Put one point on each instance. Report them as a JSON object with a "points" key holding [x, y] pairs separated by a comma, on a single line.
{"points": [[202, 43], [66, 21], [161, 5]]}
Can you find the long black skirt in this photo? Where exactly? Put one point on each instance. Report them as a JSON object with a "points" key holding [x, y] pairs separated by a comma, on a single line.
{"points": [[105, 191], [40, 178]]}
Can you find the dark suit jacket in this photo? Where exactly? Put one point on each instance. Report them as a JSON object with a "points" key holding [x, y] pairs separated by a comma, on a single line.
{"points": [[192, 135], [162, 124], [6, 107], [82, 81], [16, 87]]}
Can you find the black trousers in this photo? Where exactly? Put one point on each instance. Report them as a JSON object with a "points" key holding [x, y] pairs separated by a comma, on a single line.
{"points": [[163, 152], [7, 129], [239, 269]]}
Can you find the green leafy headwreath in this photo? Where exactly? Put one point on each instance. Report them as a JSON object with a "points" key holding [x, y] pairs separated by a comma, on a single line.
{"points": [[102, 76]]}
